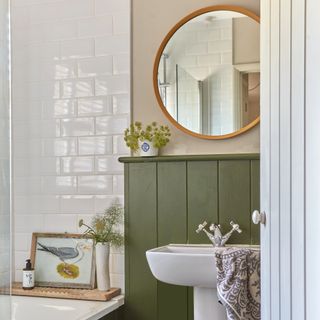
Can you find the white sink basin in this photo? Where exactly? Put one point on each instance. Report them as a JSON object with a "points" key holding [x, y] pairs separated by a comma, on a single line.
{"points": [[194, 266], [185, 265]]}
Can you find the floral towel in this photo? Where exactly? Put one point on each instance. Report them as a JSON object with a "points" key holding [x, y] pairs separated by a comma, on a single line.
{"points": [[238, 282]]}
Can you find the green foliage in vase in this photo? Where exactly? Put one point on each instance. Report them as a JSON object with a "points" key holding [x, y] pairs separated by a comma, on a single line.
{"points": [[103, 226], [158, 135]]}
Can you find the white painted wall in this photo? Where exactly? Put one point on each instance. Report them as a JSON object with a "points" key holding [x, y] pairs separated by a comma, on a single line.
{"points": [[158, 17], [71, 105]]}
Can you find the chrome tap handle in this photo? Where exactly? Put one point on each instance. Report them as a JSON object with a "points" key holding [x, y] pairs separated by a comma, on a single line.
{"points": [[213, 226], [235, 227], [201, 226]]}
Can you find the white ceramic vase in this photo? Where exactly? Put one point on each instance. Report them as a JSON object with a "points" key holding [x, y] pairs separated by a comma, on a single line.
{"points": [[146, 149], [102, 266]]}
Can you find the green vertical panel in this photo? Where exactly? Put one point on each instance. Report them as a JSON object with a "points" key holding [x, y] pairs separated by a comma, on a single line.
{"points": [[255, 199], [112, 316], [126, 235], [172, 228], [234, 198], [202, 197], [141, 301], [190, 303]]}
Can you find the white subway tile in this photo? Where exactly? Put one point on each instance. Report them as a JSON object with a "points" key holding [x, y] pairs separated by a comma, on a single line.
{"points": [[112, 85], [45, 12], [112, 45], [117, 263], [226, 58], [77, 48], [48, 203], [119, 145], [111, 6], [20, 16], [210, 35], [121, 23], [44, 51], [96, 26], [56, 31], [59, 147], [102, 202], [43, 90], [121, 64], [77, 88], [27, 186], [67, 223], [218, 46], [70, 78], [77, 204], [77, 127], [197, 48], [72, 9], [101, 184], [36, 204], [108, 164], [95, 66], [59, 70], [20, 258], [75, 165], [209, 60], [58, 108], [111, 124], [22, 241], [118, 184], [95, 145], [121, 104], [28, 223], [117, 281], [226, 33], [44, 166], [95, 106], [59, 185], [18, 273]]}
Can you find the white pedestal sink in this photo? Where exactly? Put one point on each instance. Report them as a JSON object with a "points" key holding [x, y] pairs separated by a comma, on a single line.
{"points": [[194, 266]]}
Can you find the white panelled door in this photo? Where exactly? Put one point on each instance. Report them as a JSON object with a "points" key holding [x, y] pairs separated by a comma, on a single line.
{"points": [[290, 159]]}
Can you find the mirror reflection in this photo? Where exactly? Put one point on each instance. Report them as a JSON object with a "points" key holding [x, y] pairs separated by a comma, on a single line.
{"points": [[209, 73]]}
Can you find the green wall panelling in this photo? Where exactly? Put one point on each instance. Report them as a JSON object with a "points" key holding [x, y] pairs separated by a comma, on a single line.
{"points": [[141, 205], [172, 228], [255, 199], [234, 198], [115, 315], [165, 200], [202, 197]]}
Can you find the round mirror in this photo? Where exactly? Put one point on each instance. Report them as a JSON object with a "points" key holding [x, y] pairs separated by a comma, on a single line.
{"points": [[207, 72]]}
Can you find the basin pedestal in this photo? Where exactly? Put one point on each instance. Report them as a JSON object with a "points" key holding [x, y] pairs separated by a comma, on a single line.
{"points": [[206, 305]]}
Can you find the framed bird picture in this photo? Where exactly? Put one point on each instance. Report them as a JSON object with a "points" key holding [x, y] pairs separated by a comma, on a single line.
{"points": [[63, 260]]}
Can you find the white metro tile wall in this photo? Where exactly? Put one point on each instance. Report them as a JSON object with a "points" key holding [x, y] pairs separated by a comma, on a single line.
{"points": [[71, 104]]}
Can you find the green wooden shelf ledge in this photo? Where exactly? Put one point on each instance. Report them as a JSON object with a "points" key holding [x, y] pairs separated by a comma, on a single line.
{"points": [[204, 157]]}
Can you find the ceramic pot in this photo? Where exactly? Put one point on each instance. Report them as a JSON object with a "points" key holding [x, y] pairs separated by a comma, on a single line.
{"points": [[102, 266], [146, 149]]}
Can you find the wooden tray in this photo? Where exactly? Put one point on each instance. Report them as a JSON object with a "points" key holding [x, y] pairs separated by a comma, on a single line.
{"points": [[62, 293]]}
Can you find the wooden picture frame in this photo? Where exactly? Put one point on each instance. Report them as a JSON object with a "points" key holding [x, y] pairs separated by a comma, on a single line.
{"points": [[63, 260]]}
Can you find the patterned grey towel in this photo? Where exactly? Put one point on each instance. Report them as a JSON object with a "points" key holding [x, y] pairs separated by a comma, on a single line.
{"points": [[238, 282]]}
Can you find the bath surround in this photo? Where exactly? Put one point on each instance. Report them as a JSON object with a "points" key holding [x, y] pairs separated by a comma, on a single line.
{"points": [[29, 308]]}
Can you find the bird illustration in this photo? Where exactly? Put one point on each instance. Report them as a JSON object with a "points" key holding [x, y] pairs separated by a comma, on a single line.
{"points": [[64, 253]]}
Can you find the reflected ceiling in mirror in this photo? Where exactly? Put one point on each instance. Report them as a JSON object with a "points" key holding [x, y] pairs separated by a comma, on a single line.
{"points": [[207, 72]]}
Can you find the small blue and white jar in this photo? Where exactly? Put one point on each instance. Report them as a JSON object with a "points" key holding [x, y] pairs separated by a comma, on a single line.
{"points": [[146, 149]]}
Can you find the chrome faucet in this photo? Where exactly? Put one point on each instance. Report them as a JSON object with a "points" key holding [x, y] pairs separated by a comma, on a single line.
{"points": [[216, 236]]}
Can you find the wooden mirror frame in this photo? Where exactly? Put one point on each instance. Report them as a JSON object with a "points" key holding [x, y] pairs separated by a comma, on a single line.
{"points": [[158, 58]]}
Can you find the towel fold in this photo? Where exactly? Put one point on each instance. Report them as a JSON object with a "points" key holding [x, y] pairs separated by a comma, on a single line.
{"points": [[238, 282]]}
